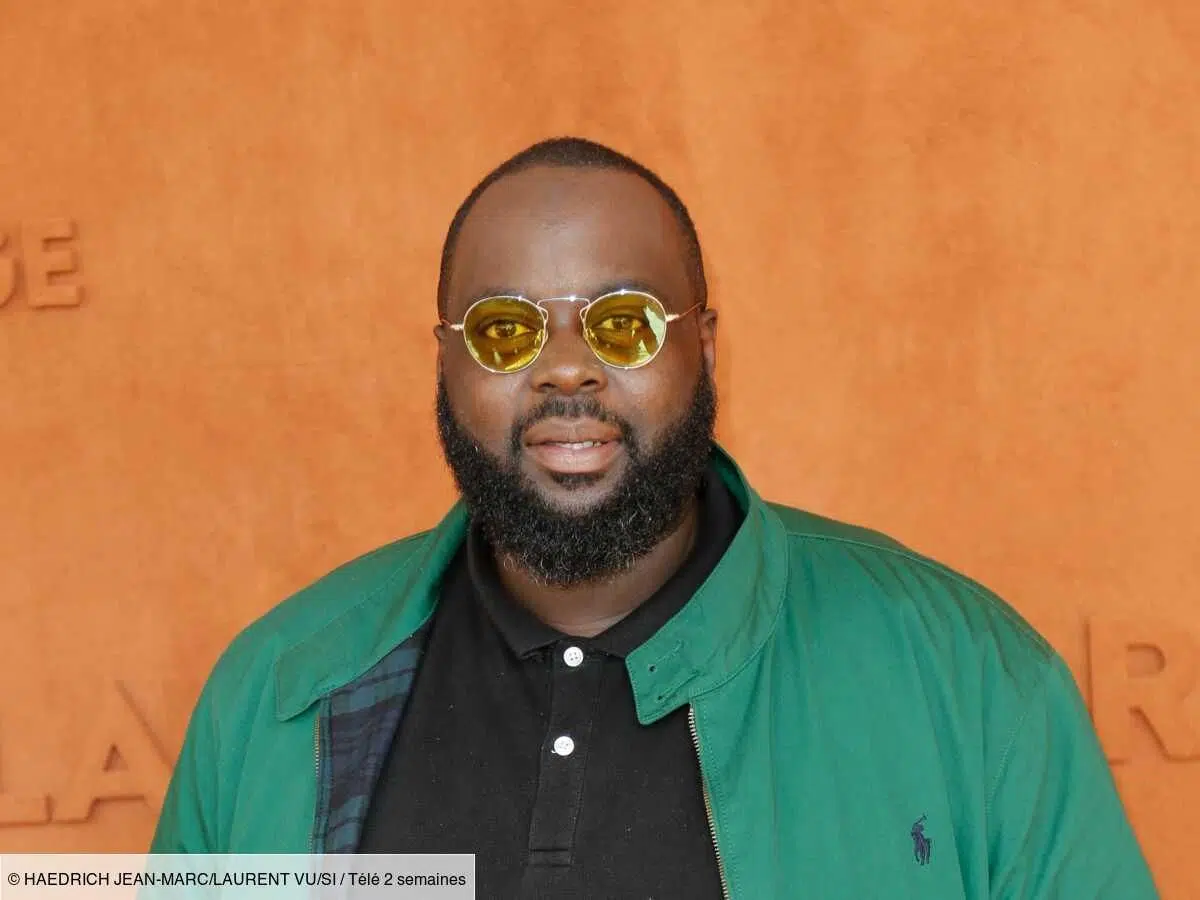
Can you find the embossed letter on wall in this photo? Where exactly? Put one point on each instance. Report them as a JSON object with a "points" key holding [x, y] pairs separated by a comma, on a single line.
{"points": [[46, 265], [8, 273], [17, 809], [1163, 697], [118, 733]]}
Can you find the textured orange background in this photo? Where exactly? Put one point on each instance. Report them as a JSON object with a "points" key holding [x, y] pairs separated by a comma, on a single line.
{"points": [[954, 246]]}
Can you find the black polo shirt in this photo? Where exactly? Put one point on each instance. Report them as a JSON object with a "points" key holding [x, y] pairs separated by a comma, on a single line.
{"points": [[521, 745]]}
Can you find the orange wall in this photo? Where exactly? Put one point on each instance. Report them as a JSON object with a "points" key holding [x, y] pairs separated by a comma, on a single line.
{"points": [[954, 245]]}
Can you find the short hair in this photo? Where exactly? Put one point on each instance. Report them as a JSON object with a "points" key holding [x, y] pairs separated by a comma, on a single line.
{"points": [[576, 153]]}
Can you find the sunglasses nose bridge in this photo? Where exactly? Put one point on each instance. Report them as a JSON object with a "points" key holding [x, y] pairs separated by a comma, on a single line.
{"points": [[575, 301], [563, 318], [565, 356]]}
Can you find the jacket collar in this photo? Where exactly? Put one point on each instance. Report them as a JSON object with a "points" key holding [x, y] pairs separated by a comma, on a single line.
{"points": [[724, 624], [728, 619]]}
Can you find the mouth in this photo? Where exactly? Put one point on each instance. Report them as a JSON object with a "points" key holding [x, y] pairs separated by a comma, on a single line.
{"points": [[573, 446]]}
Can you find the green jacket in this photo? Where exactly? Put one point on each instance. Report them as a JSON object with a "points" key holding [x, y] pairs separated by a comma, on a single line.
{"points": [[868, 723]]}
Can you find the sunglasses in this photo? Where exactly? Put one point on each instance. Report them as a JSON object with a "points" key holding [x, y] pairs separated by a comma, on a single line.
{"points": [[625, 329]]}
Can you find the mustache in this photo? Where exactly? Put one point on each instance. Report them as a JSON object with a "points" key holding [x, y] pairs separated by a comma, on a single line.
{"points": [[559, 407]]}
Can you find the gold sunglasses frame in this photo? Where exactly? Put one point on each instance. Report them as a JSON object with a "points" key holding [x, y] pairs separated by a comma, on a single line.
{"points": [[545, 314]]}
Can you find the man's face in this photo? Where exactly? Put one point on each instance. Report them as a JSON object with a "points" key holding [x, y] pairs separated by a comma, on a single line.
{"points": [[512, 440]]}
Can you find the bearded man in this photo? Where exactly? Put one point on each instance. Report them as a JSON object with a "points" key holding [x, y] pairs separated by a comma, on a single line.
{"points": [[613, 670]]}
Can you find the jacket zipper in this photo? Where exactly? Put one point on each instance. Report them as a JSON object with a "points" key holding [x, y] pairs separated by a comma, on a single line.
{"points": [[712, 831], [316, 770]]}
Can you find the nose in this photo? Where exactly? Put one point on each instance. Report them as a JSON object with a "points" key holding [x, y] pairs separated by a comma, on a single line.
{"points": [[566, 364]]}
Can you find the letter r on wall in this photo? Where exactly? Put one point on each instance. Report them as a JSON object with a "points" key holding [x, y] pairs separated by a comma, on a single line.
{"points": [[1161, 697]]}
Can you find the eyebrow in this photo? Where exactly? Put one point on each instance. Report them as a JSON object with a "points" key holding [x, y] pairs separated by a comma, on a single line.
{"points": [[608, 287]]}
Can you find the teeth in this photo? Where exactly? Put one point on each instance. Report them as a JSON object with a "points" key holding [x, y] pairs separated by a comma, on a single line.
{"points": [[578, 445]]}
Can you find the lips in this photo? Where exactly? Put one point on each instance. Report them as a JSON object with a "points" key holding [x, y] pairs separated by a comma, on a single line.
{"points": [[573, 446], [571, 432]]}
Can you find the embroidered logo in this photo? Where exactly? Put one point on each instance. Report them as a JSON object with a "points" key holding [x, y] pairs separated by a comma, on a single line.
{"points": [[921, 844]]}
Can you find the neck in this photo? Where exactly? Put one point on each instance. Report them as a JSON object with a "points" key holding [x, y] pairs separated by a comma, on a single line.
{"points": [[586, 610]]}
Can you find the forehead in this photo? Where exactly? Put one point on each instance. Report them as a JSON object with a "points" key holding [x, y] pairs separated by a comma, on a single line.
{"points": [[551, 231]]}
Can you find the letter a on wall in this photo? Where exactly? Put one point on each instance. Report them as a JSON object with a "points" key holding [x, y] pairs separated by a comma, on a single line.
{"points": [[119, 732]]}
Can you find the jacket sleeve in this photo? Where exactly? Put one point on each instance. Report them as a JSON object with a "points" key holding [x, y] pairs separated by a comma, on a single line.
{"points": [[1057, 826], [187, 822]]}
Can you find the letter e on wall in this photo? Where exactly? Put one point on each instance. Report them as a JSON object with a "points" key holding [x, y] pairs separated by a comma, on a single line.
{"points": [[46, 260]]}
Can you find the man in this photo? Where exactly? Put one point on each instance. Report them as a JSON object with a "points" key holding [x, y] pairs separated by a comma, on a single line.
{"points": [[613, 670]]}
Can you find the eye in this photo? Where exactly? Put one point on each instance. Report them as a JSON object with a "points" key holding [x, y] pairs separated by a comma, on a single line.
{"points": [[621, 322], [504, 329]]}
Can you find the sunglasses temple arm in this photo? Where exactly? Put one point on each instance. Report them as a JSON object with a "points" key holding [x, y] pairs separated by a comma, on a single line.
{"points": [[671, 317]]}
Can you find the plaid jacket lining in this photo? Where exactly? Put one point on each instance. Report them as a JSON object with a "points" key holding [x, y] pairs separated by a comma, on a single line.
{"points": [[356, 724]]}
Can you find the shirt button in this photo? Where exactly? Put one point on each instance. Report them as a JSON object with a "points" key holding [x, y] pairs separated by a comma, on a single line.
{"points": [[572, 656], [564, 746]]}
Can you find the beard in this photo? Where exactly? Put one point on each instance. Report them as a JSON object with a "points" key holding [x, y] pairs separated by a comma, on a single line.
{"points": [[563, 548]]}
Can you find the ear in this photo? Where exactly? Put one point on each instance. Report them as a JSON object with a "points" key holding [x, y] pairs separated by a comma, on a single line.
{"points": [[441, 332], [706, 321]]}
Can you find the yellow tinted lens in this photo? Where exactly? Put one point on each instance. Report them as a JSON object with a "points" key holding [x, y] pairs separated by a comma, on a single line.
{"points": [[504, 333], [626, 329]]}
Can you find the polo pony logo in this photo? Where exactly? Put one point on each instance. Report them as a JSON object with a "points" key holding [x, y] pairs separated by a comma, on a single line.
{"points": [[921, 844]]}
